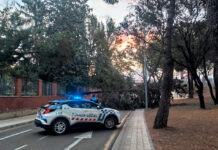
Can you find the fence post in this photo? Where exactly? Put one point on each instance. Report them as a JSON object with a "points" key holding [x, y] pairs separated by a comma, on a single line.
{"points": [[39, 89], [18, 87]]}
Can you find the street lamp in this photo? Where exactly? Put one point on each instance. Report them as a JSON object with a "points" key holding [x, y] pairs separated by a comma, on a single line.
{"points": [[147, 39], [145, 80]]}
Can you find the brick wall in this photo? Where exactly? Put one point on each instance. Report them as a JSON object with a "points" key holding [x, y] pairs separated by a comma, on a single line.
{"points": [[14, 102], [22, 102]]}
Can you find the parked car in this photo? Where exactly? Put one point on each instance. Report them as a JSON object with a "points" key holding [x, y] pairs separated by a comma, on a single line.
{"points": [[59, 115]]}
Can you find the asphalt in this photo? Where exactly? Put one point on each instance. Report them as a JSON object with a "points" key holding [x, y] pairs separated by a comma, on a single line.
{"points": [[29, 137]]}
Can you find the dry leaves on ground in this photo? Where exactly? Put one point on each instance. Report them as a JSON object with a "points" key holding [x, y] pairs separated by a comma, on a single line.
{"points": [[189, 127]]}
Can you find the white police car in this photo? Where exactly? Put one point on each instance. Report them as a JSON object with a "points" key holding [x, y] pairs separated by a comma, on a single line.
{"points": [[59, 115]]}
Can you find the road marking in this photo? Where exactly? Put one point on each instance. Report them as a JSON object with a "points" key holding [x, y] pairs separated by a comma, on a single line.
{"points": [[73, 144], [86, 135], [15, 134], [112, 137], [42, 138], [21, 147]]}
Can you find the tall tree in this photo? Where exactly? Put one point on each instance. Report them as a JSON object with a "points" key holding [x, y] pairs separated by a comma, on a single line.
{"points": [[58, 35], [167, 82], [212, 11], [191, 45], [12, 38], [191, 42], [103, 73]]}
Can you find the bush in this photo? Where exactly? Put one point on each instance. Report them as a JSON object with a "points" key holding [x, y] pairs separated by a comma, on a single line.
{"points": [[121, 100]]}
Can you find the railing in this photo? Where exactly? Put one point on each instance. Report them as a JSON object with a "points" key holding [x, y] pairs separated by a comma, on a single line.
{"points": [[29, 87], [10, 86], [6, 86]]}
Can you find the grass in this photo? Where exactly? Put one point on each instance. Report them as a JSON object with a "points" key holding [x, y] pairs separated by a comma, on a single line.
{"points": [[189, 127]]}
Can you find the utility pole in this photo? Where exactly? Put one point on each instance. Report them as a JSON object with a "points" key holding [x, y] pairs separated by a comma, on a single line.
{"points": [[145, 80]]}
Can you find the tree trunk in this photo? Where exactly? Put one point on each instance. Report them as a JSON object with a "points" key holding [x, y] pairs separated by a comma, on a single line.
{"points": [[208, 83], [212, 11], [200, 88], [167, 82], [201, 96], [216, 77], [190, 86]]}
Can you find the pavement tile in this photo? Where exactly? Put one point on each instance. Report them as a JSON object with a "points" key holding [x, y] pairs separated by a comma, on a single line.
{"points": [[134, 134]]}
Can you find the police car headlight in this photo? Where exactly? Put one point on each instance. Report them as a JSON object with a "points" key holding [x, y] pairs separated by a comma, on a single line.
{"points": [[117, 112]]}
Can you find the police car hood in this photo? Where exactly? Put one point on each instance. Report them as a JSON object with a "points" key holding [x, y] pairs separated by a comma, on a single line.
{"points": [[110, 109]]}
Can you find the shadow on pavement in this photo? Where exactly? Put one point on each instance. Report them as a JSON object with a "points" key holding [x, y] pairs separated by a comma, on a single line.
{"points": [[78, 128]]}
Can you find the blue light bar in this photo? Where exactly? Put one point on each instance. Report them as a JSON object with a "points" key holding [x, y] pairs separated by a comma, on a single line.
{"points": [[77, 97], [74, 97]]}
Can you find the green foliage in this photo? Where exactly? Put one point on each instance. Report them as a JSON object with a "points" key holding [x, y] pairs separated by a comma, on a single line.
{"points": [[111, 1], [59, 40], [103, 74], [180, 87], [121, 100], [11, 38]]}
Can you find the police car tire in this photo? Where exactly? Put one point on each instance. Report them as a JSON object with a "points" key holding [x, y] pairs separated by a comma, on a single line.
{"points": [[110, 122], [59, 126]]}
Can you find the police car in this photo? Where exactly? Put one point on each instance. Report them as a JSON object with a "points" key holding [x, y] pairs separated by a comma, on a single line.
{"points": [[59, 115]]}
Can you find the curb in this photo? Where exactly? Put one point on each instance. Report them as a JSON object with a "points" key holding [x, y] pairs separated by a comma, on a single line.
{"points": [[16, 125], [149, 136], [112, 139]]}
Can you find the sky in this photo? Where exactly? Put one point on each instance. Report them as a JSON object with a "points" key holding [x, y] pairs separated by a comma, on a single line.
{"points": [[117, 11]]}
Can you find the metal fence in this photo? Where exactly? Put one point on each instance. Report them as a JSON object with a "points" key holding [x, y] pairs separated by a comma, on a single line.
{"points": [[29, 87], [61, 90], [6, 86], [47, 88]]}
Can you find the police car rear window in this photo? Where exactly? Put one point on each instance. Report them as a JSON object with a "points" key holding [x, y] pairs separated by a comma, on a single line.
{"points": [[74, 105]]}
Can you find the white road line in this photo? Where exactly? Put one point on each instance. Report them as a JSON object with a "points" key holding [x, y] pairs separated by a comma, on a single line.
{"points": [[15, 134], [43, 138], [73, 144], [21, 147]]}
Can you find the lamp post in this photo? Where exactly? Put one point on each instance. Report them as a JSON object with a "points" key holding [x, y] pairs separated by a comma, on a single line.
{"points": [[145, 80]]}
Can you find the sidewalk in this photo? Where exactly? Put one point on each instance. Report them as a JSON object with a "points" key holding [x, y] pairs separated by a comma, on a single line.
{"points": [[8, 123], [134, 134]]}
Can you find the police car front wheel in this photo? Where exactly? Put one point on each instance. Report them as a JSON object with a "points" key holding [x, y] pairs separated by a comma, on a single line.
{"points": [[110, 122], [59, 126]]}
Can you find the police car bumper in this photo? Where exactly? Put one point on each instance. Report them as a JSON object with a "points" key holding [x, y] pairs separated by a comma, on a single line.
{"points": [[41, 123]]}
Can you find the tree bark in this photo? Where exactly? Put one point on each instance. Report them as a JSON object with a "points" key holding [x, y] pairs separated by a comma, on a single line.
{"points": [[200, 87], [216, 76], [208, 83], [167, 82], [201, 96], [190, 86], [212, 10]]}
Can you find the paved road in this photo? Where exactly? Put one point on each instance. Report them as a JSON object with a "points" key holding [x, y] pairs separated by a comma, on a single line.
{"points": [[29, 137]]}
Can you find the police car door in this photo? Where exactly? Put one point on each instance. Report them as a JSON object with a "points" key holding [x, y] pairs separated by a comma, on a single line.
{"points": [[75, 112], [91, 111]]}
